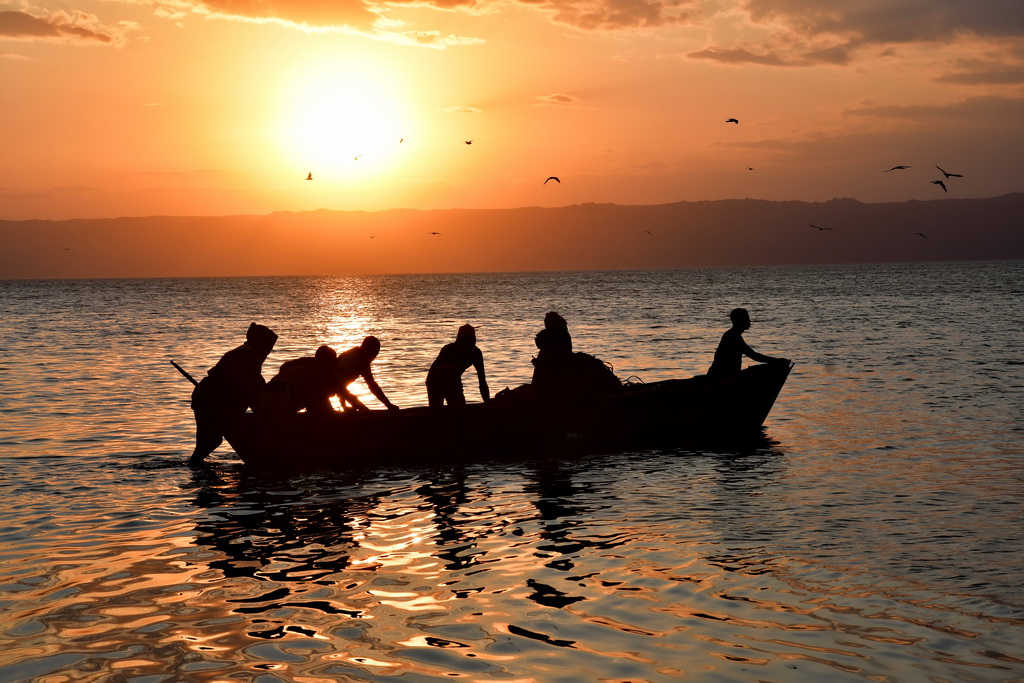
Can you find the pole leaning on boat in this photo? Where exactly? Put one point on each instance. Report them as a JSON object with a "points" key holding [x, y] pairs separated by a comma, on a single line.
{"points": [[187, 376]]}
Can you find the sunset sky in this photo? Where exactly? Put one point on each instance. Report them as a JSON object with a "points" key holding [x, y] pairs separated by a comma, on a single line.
{"points": [[216, 107]]}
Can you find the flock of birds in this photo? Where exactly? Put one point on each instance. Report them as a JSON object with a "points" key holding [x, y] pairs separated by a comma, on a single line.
{"points": [[902, 167], [940, 183]]}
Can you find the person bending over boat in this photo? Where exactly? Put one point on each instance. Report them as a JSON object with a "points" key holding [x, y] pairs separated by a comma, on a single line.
{"points": [[352, 365], [304, 383], [731, 349], [444, 379], [230, 387]]}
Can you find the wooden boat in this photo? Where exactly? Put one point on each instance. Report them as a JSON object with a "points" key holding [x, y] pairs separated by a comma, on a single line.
{"points": [[517, 423]]}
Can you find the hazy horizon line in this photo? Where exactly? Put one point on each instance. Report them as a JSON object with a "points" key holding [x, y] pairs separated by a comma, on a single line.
{"points": [[510, 208]]}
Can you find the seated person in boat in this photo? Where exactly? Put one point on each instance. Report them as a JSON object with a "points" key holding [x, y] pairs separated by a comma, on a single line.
{"points": [[554, 351], [230, 387], [352, 365], [444, 379], [304, 383], [731, 349], [560, 374]]}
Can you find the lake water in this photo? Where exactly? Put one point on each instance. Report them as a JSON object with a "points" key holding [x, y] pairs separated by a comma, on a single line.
{"points": [[874, 535]]}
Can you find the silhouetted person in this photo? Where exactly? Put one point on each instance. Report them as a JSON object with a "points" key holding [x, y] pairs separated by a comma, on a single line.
{"points": [[554, 351], [306, 383], [444, 379], [352, 365], [230, 387], [561, 375], [731, 349]]}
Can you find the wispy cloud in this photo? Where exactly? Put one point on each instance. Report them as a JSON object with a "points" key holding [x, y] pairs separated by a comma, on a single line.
{"points": [[813, 32], [619, 14], [462, 109], [558, 100], [365, 18], [69, 26], [977, 110], [991, 76]]}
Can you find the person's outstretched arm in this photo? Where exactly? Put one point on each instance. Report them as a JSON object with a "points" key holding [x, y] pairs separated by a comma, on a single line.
{"points": [[485, 392], [754, 355], [375, 389], [346, 396]]}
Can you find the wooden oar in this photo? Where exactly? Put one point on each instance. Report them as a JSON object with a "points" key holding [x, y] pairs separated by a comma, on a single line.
{"points": [[189, 377]]}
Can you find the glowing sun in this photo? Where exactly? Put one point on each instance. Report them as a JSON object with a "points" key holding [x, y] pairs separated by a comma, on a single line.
{"points": [[341, 121]]}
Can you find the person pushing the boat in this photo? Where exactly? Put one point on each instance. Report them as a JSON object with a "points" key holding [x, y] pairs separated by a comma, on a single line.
{"points": [[230, 387], [731, 349], [304, 383], [352, 365], [444, 379]]}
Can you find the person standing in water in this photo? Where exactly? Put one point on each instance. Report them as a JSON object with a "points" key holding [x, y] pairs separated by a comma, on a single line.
{"points": [[731, 349], [444, 379], [230, 387]]}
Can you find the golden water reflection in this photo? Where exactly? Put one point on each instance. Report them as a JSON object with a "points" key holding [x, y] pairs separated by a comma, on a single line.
{"points": [[449, 574]]}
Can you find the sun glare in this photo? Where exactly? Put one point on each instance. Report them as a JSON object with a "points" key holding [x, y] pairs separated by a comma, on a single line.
{"points": [[339, 121]]}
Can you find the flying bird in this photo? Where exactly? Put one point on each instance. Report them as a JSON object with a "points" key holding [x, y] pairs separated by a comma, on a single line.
{"points": [[401, 140], [751, 169], [895, 168], [309, 177], [468, 142], [649, 233], [940, 184], [356, 157], [921, 234], [949, 175], [732, 120], [818, 227], [553, 178], [433, 233]]}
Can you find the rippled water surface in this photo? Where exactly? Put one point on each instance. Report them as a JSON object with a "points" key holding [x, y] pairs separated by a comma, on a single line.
{"points": [[874, 534]]}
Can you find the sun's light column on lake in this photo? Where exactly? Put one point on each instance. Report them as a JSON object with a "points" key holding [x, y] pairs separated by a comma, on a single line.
{"points": [[341, 119]]}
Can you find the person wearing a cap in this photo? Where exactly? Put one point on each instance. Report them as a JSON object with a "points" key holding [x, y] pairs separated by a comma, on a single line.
{"points": [[352, 365], [444, 379], [731, 349], [230, 387]]}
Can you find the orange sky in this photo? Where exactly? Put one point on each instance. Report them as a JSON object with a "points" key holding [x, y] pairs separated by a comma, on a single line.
{"points": [[213, 107]]}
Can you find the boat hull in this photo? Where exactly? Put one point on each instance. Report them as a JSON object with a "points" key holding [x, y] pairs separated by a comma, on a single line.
{"points": [[517, 423]]}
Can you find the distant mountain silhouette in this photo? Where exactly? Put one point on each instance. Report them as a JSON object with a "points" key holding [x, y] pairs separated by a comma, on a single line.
{"points": [[736, 232]]}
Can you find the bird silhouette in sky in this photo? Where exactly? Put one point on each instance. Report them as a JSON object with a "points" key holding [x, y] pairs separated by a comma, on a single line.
{"points": [[401, 140], [751, 169], [948, 174], [356, 157], [732, 120], [940, 184], [468, 142], [895, 168], [553, 178], [309, 177], [433, 233], [649, 233], [921, 234], [818, 227]]}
